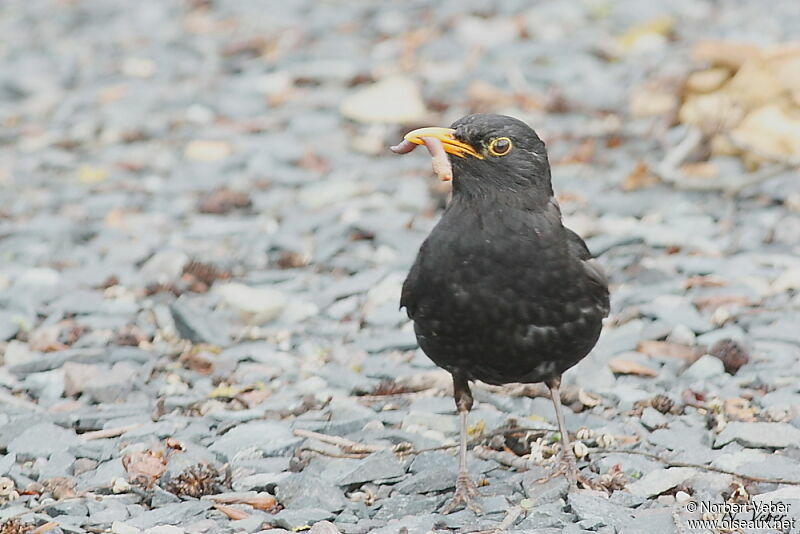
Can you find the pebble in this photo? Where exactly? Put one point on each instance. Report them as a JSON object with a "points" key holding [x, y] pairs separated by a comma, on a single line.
{"points": [[660, 480], [707, 366], [758, 434]]}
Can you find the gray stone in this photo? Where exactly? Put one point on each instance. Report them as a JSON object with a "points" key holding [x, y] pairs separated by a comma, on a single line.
{"points": [[69, 508], [412, 524], [171, 514], [42, 439], [399, 506], [653, 419], [305, 490], [661, 480], [59, 465], [291, 519], [197, 325], [270, 438], [376, 467], [163, 267], [438, 479], [543, 492], [759, 434], [9, 325], [706, 366], [595, 508], [162, 498]]}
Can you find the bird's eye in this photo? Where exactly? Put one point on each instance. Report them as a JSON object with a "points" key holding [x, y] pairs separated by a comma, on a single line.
{"points": [[500, 146]]}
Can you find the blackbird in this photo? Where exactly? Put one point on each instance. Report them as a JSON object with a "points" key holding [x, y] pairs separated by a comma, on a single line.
{"points": [[500, 290]]}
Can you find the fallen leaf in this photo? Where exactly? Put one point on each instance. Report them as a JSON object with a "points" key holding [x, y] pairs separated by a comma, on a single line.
{"points": [[704, 281], [88, 174], [700, 169], [477, 428], [651, 100], [207, 150], [665, 349], [622, 366], [60, 487], [639, 178], [233, 514], [708, 80], [145, 467], [260, 501], [739, 409], [223, 200], [223, 391], [728, 54], [636, 34], [50, 525], [583, 153], [712, 302]]}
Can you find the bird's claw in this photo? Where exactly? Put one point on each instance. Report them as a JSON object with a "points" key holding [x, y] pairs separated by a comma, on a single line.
{"points": [[568, 467], [466, 493]]}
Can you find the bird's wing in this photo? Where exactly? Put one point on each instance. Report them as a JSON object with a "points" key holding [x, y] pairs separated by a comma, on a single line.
{"points": [[592, 268], [410, 286]]}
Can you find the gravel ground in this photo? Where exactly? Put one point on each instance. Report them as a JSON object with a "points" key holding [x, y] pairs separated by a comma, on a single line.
{"points": [[204, 238]]}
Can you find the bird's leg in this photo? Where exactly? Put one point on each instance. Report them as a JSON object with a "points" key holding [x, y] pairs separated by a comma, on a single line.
{"points": [[568, 463], [466, 492]]}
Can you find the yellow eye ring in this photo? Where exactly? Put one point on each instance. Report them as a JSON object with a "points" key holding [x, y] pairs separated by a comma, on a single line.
{"points": [[500, 146]]}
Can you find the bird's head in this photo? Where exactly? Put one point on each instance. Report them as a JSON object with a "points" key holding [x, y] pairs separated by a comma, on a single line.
{"points": [[491, 153]]}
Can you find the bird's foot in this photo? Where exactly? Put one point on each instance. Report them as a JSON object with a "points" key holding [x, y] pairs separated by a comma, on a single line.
{"points": [[568, 467], [466, 494]]}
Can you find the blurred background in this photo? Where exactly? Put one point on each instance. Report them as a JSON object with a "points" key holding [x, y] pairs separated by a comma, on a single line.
{"points": [[199, 216]]}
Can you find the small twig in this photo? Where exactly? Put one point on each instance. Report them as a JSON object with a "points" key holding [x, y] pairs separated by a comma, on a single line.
{"points": [[667, 170], [502, 457], [109, 432], [343, 443], [319, 449], [678, 463], [511, 517]]}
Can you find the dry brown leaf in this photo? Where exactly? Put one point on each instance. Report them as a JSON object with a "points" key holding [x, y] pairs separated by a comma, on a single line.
{"points": [[50, 525], [704, 281], [260, 501], [700, 169], [621, 366], [639, 178], [583, 153], [648, 101], [60, 487], [708, 80], [739, 409], [712, 302], [725, 53], [713, 112], [233, 514], [197, 361], [665, 349], [207, 150], [145, 467], [772, 130]]}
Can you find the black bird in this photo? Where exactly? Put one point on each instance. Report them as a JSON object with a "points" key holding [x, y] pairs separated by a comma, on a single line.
{"points": [[500, 290]]}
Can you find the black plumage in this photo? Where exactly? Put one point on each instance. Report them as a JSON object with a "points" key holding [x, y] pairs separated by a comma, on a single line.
{"points": [[500, 290]]}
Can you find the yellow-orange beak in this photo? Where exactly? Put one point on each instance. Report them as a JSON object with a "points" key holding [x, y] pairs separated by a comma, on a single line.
{"points": [[445, 135]]}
